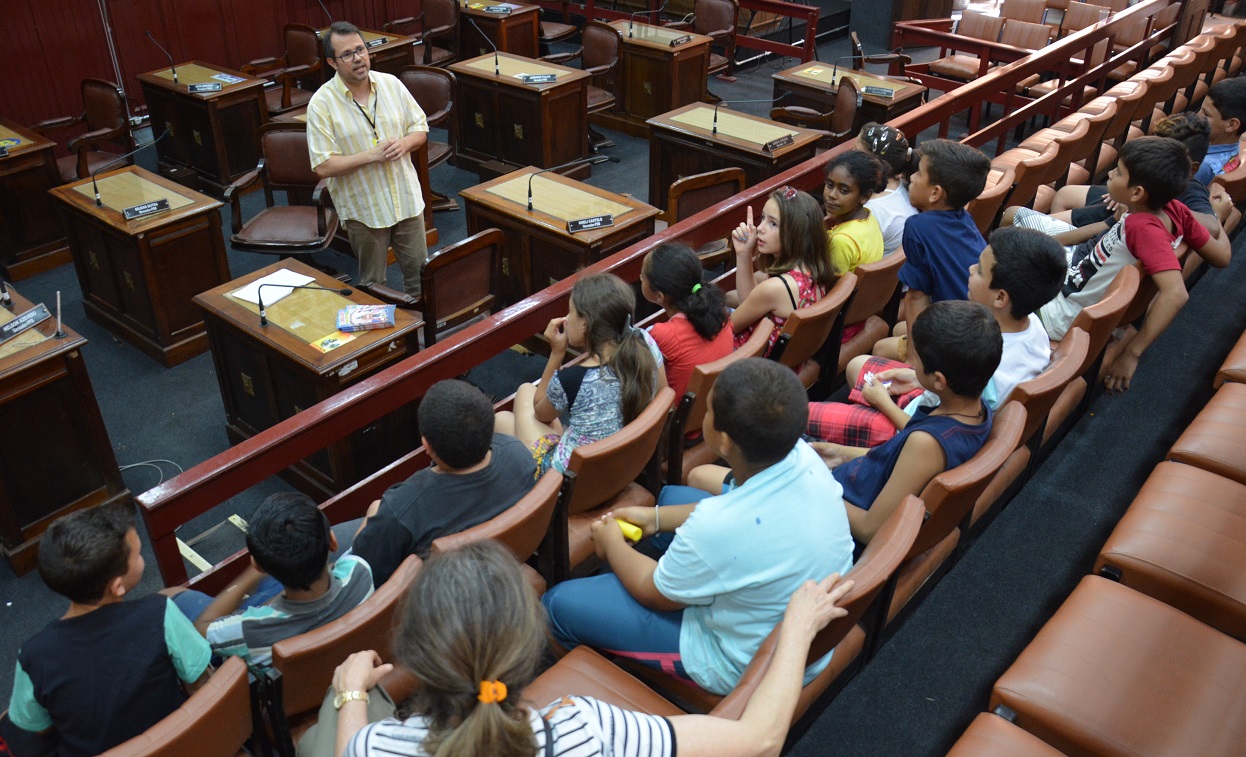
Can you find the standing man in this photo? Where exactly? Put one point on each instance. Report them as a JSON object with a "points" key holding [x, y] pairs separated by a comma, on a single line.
{"points": [[361, 126]]}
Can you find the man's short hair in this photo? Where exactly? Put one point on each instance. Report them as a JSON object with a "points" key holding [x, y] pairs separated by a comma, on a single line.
{"points": [[1229, 97], [338, 29], [457, 421], [961, 340], [82, 552], [1159, 165], [959, 169], [1190, 129], [289, 538], [1029, 265], [762, 406]]}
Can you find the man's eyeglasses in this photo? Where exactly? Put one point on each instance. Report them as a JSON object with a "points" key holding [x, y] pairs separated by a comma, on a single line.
{"points": [[351, 55]]}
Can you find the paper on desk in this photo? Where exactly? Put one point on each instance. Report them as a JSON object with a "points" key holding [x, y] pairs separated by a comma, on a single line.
{"points": [[250, 292]]}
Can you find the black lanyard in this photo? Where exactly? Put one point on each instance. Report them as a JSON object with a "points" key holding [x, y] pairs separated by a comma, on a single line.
{"points": [[376, 138]]}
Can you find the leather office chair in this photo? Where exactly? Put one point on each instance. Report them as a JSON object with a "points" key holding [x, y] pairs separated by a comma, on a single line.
{"points": [[809, 341], [104, 117], [600, 58], [965, 66], [558, 31], [433, 89], [214, 722], [293, 229], [716, 19], [876, 285], [438, 32], [987, 207], [692, 194], [839, 125], [895, 62], [300, 62]]}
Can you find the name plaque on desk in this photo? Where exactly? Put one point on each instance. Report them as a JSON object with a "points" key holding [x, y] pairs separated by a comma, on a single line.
{"points": [[538, 78], [775, 144], [879, 91], [4, 152], [681, 40], [588, 224], [498, 9], [377, 42], [30, 318], [146, 209], [195, 89]]}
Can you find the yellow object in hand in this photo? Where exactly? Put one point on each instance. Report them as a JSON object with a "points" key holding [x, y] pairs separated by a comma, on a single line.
{"points": [[630, 532]]}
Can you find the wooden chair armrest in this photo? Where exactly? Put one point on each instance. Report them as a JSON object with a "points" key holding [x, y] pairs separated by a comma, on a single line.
{"points": [[438, 31], [719, 35], [558, 58], [293, 72], [682, 25], [392, 296], [58, 123], [390, 26], [599, 70], [261, 66], [320, 195], [90, 138], [235, 190]]}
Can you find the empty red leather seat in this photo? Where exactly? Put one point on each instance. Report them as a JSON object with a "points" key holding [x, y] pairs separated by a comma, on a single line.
{"points": [[1213, 441], [991, 736], [1234, 367]]}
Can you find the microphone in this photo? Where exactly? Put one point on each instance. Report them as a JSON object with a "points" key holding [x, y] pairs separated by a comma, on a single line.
{"points": [[264, 313], [326, 10], [631, 19], [6, 299], [166, 52], [586, 161], [472, 21], [772, 101], [120, 159]]}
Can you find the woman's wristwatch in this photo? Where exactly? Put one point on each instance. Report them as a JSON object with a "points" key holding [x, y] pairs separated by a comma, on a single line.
{"points": [[349, 696]]}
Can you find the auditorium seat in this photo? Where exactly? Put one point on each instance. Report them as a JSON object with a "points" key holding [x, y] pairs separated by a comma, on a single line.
{"points": [[1183, 541], [104, 117], [1234, 366], [1032, 171], [989, 735], [1116, 673], [810, 338], [876, 286], [1213, 440], [986, 207], [964, 66]]}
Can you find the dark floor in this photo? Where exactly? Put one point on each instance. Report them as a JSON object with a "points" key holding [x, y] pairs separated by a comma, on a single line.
{"points": [[930, 680]]}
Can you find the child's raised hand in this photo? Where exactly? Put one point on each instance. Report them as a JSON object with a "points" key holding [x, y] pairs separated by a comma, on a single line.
{"points": [[556, 334], [744, 238]]}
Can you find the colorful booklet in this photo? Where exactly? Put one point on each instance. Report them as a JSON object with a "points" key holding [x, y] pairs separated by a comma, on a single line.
{"points": [[365, 317]]}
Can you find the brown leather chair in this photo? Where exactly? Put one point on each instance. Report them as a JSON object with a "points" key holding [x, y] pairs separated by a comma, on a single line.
{"points": [[1212, 441], [293, 229], [301, 62], [214, 722], [307, 661], [521, 528], [989, 735], [1031, 171], [1115, 673], [809, 330], [585, 672], [104, 116], [558, 31], [1078, 16], [1086, 151], [692, 194], [895, 62], [965, 66], [690, 412], [433, 89], [438, 34], [1181, 541], [1025, 35], [876, 285], [838, 125], [602, 477], [600, 58], [456, 285], [987, 207], [1234, 366], [716, 19], [1027, 11]]}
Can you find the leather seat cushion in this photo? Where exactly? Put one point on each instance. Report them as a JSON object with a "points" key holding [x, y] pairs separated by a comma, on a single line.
{"points": [[287, 225], [579, 526], [553, 30], [438, 152], [96, 159], [1115, 672], [1234, 366], [584, 672], [957, 66], [1183, 541], [990, 736], [1213, 440], [599, 99], [298, 99]]}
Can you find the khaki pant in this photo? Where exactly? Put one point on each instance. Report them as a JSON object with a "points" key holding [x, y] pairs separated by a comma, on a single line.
{"points": [[371, 248]]}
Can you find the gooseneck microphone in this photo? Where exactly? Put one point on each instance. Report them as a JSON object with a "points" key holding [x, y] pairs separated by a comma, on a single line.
{"points": [[259, 296], [324, 8], [631, 19], [472, 21], [120, 159], [772, 101], [172, 67], [6, 299], [586, 161]]}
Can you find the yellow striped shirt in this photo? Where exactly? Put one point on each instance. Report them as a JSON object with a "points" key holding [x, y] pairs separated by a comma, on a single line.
{"points": [[377, 195]]}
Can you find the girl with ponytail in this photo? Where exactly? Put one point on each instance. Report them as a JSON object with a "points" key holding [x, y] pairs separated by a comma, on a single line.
{"points": [[473, 634], [596, 397], [697, 330]]}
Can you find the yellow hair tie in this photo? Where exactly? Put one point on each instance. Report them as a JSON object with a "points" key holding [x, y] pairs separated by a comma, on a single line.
{"points": [[492, 692]]}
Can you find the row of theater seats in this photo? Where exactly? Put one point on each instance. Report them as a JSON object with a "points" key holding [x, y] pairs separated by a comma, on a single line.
{"points": [[1147, 657]]}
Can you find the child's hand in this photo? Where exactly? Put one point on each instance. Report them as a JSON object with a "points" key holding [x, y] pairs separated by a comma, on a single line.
{"points": [[606, 532], [875, 392], [903, 380], [744, 238], [1118, 375], [832, 454], [360, 672], [556, 335], [641, 517]]}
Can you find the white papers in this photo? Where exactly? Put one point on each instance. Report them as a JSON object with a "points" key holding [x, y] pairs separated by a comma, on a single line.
{"points": [[272, 294]]}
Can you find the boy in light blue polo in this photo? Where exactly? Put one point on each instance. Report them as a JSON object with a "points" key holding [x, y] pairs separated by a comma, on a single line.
{"points": [[702, 610]]}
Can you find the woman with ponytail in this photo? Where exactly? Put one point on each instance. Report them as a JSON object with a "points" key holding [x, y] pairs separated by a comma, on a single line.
{"points": [[697, 330], [596, 397], [473, 634]]}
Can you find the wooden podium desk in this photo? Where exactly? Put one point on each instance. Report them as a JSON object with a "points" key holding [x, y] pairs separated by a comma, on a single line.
{"points": [[213, 137], [270, 373], [682, 143], [539, 249], [653, 77], [57, 457], [502, 119], [389, 57], [138, 277], [31, 237], [517, 32], [813, 85]]}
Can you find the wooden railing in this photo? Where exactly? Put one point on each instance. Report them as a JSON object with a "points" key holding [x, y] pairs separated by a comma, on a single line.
{"points": [[203, 487]]}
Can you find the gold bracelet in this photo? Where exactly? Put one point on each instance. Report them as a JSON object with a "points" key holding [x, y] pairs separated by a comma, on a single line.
{"points": [[349, 696]]}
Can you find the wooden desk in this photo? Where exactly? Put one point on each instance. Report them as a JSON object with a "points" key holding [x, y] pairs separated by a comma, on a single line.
{"points": [[56, 457], [517, 32], [539, 249], [653, 77], [682, 143], [389, 57], [270, 373], [502, 119], [813, 85], [31, 237], [213, 134], [138, 277]]}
